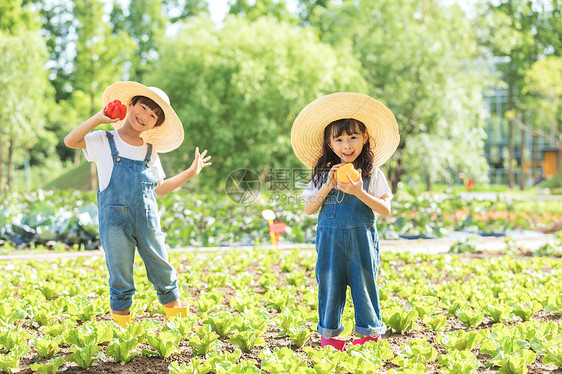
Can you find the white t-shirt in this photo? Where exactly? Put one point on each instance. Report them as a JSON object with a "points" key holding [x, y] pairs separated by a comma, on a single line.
{"points": [[378, 186], [98, 151]]}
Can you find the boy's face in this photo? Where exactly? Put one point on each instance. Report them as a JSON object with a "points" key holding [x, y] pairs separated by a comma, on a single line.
{"points": [[141, 117], [347, 146]]}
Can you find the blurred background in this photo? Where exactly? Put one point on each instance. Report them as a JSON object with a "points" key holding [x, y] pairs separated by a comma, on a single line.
{"points": [[475, 86]]}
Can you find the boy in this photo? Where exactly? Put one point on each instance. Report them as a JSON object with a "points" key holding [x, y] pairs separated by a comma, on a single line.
{"points": [[129, 173]]}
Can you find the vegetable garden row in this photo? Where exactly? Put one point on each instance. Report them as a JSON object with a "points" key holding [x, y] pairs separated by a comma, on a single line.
{"points": [[65, 219], [255, 311]]}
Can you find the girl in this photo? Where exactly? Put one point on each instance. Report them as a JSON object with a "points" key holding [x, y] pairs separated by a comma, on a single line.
{"points": [[130, 173], [331, 131]]}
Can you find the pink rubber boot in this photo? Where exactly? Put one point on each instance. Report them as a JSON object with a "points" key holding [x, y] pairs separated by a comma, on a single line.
{"points": [[336, 343], [366, 339]]}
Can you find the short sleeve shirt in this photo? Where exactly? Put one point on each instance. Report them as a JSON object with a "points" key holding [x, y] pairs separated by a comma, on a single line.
{"points": [[98, 151], [378, 186]]}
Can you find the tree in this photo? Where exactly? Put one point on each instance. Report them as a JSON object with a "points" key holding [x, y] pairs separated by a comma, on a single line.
{"points": [[520, 32], [239, 88], [178, 10], [419, 59], [101, 59], [24, 96], [262, 8], [145, 23]]}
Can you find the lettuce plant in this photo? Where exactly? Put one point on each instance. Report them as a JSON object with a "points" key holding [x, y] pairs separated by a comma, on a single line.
{"points": [[399, 319], [13, 338], [469, 317], [194, 366], [85, 356], [281, 360], [242, 301], [299, 335], [10, 362], [498, 312], [279, 299], [525, 311], [166, 343], [327, 359], [50, 367], [247, 339], [46, 347], [460, 340], [123, 351], [369, 357], [459, 362], [205, 340], [415, 351], [435, 322], [184, 326], [223, 323]]}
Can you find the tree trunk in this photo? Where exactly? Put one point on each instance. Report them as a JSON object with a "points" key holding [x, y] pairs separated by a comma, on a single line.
{"points": [[1, 161], [428, 182], [10, 161], [522, 156], [535, 154], [510, 129]]}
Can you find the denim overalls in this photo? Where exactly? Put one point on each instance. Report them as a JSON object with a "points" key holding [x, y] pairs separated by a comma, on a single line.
{"points": [[347, 244], [128, 217]]}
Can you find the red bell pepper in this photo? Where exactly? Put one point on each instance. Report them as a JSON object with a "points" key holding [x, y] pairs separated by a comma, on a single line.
{"points": [[114, 109]]}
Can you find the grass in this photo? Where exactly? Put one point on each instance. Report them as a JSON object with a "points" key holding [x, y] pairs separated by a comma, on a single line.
{"points": [[77, 178]]}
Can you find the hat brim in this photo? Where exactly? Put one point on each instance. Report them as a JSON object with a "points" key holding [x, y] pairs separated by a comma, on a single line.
{"points": [[307, 134], [164, 138]]}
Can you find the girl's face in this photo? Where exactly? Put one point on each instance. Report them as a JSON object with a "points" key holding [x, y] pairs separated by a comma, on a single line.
{"points": [[347, 146], [141, 117]]}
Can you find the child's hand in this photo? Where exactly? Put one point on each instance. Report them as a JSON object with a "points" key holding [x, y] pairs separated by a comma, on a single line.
{"points": [[352, 188], [200, 161], [332, 175], [103, 118]]}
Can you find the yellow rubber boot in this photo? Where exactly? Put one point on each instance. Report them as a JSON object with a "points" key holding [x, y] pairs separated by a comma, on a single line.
{"points": [[122, 320], [181, 311]]}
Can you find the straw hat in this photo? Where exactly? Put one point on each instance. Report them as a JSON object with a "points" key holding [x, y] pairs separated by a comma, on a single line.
{"points": [[307, 135], [164, 138]]}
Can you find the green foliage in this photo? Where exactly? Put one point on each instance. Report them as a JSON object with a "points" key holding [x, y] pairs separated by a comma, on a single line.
{"points": [[246, 340], [166, 343], [85, 356], [400, 319], [299, 335], [123, 351], [470, 317], [461, 340], [416, 351], [281, 360], [46, 347], [245, 87], [50, 367], [205, 340], [10, 362], [459, 362]]}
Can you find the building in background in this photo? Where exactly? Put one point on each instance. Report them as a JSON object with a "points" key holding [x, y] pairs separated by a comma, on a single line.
{"points": [[535, 154]]}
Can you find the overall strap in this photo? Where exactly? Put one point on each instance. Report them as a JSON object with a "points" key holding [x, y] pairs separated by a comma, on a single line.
{"points": [[114, 151], [148, 154]]}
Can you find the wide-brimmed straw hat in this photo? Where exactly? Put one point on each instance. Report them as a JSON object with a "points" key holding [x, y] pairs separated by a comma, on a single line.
{"points": [[307, 135], [164, 138]]}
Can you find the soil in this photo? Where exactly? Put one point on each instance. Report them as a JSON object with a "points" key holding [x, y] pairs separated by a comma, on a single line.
{"points": [[143, 364]]}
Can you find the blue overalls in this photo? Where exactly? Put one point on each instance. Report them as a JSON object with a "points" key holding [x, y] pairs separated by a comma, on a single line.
{"points": [[128, 218], [347, 244]]}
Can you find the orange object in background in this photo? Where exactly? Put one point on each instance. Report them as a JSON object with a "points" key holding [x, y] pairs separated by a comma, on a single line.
{"points": [[277, 229], [349, 169], [469, 184]]}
